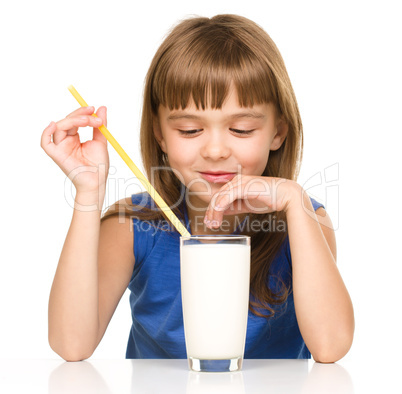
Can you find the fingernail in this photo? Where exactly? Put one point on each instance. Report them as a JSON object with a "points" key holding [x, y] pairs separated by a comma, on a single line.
{"points": [[98, 120], [208, 223], [214, 223]]}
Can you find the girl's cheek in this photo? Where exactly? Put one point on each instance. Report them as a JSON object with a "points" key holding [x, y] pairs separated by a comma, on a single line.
{"points": [[254, 164], [183, 152]]}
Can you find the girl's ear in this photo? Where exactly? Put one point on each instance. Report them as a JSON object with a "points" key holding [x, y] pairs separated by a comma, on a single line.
{"points": [[158, 133], [282, 129]]}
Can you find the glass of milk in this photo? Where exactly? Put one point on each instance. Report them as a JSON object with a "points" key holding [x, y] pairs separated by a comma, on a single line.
{"points": [[215, 286]]}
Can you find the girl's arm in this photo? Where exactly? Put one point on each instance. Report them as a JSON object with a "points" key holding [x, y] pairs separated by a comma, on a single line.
{"points": [[323, 306], [97, 259], [94, 270]]}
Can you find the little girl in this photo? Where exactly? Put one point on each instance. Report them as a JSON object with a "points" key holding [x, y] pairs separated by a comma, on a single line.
{"points": [[221, 140]]}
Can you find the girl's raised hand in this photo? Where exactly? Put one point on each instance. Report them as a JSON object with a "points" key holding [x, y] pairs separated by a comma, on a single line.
{"points": [[86, 164]]}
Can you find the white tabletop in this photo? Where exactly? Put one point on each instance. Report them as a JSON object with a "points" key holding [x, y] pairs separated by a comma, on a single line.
{"points": [[171, 376]]}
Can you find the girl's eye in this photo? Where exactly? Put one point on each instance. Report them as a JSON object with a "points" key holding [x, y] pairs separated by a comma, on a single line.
{"points": [[242, 131], [189, 131]]}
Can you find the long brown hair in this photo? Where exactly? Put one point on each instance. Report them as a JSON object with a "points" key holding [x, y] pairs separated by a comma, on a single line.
{"points": [[199, 59]]}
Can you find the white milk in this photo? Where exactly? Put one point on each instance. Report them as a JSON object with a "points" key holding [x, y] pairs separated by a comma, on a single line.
{"points": [[215, 282]]}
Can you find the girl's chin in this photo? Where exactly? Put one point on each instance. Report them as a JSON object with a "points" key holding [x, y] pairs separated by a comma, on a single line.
{"points": [[199, 199]]}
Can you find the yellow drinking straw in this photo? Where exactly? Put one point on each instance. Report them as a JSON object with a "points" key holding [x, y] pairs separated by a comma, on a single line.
{"points": [[151, 190]]}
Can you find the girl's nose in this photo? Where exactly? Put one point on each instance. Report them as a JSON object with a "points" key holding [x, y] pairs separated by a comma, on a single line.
{"points": [[215, 147]]}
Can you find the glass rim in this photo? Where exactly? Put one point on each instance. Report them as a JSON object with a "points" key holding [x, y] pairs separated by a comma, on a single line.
{"points": [[214, 237]]}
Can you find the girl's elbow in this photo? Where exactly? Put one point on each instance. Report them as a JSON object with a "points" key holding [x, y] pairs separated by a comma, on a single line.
{"points": [[70, 353], [73, 356], [326, 358], [336, 345], [332, 353]]}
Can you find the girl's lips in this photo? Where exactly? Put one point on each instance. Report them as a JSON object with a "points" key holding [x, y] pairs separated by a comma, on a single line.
{"points": [[218, 178]]}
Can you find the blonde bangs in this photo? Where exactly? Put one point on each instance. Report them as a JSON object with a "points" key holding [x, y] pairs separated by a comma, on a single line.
{"points": [[203, 68]]}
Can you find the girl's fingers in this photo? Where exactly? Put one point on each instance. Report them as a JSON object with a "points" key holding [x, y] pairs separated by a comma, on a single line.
{"points": [[72, 131], [60, 135], [217, 207], [81, 111], [46, 139], [101, 113], [248, 188], [69, 125], [78, 121], [227, 194], [97, 135]]}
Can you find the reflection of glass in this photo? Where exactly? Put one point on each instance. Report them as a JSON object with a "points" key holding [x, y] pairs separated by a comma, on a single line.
{"points": [[212, 383], [79, 377], [215, 277]]}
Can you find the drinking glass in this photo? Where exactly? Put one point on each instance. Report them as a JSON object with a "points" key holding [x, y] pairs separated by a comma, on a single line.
{"points": [[215, 286]]}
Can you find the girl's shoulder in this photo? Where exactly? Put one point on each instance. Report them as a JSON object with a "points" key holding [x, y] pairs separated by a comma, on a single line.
{"points": [[121, 207]]}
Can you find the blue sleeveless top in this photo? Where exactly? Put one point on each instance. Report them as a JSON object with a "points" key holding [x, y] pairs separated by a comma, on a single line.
{"points": [[157, 330]]}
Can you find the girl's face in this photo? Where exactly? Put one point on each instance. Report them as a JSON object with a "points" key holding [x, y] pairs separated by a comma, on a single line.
{"points": [[232, 140]]}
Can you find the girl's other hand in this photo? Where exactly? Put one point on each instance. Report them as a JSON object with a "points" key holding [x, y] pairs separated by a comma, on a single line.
{"points": [[255, 194], [86, 164]]}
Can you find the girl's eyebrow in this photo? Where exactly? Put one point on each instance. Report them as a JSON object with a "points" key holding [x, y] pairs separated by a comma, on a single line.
{"points": [[244, 114]]}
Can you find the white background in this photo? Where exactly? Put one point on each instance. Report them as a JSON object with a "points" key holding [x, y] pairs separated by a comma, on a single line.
{"points": [[344, 62]]}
